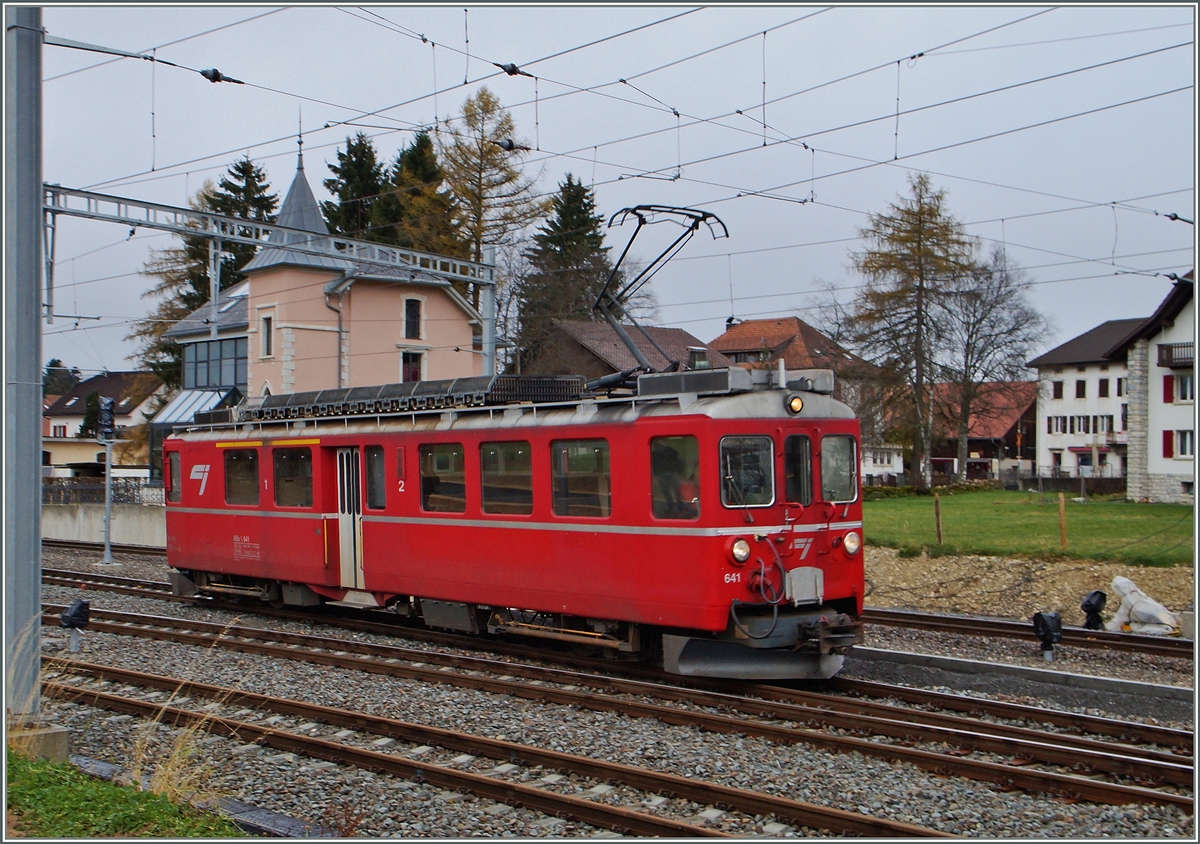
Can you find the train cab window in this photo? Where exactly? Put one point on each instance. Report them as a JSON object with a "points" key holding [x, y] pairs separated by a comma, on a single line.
{"points": [[443, 481], [241, 476], [174, 487], [839, 469], [747, 471], [674, 478], [797, 466], [580, 478], [376, 478], [293, 477], [507, 478]]}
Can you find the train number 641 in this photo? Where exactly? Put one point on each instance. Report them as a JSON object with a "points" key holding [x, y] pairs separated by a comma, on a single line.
{"points": [[733, 577]]}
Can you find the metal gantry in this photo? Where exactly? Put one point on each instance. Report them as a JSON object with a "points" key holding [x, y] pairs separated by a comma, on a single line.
{"points": [[220, 229]]}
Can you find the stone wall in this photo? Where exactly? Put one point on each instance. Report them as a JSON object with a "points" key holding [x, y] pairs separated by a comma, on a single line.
{"points": [[1137, 391]]}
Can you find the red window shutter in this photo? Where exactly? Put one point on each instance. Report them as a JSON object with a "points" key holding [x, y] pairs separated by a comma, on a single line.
{"points": [[1168, 389], [1168, 443]]}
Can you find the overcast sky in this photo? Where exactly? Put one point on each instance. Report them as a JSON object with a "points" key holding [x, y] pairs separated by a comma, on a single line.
{"points": [[1065, 133]]}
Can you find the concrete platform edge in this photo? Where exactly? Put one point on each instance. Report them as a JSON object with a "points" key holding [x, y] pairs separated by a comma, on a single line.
{"points": [[1038, 675]]}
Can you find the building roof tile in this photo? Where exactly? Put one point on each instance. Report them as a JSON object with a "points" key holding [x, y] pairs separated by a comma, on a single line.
{"points": [[129, 389], [600, 339], [1090, 347]]}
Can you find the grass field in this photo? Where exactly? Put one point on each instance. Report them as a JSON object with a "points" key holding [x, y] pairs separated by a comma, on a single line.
{"points": [[1003, 523], [59, 801]]}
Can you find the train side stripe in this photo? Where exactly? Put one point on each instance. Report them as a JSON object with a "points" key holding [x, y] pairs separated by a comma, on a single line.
{"points": [[240, 444], [570, 527]]}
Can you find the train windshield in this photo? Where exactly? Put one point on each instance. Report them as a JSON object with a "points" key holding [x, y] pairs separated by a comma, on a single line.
{"points": [[839, 469], [797, 464], [747, 472]]}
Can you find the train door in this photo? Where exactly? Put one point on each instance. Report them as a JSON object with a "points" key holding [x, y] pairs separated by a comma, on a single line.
{"points": [[349, 474]]}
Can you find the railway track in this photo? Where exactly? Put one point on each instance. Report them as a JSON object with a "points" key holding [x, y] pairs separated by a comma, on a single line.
{"points": [[960, 625], [1129, 731], [509, 754], [1071, 636], [1022, 747]]}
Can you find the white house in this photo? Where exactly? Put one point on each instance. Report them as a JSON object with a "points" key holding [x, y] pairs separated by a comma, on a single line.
{"points": [[65, 454], [1160, 356], [1082, 404]]}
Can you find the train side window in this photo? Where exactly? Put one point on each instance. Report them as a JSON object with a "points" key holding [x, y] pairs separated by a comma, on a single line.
{"points": [[747, 471], [443, 480], [580, 478], [293, 477], [839, 469], [674, 477], [376, 478], [174, 490], [241, 476], [506, 478], [797, 466]]}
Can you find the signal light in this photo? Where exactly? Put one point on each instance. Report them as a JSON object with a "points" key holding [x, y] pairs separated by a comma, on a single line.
{"points": [[795, 404]]}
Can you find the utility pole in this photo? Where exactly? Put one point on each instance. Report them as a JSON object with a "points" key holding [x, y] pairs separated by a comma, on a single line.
{"points": [[22, 359]]}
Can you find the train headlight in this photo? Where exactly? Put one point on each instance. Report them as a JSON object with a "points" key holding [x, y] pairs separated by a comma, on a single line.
{"points": [[852, 542], [795, 404], [740, 550]]}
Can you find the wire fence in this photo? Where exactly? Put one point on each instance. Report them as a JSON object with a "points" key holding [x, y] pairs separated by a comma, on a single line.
{"points": [[91, 491]]}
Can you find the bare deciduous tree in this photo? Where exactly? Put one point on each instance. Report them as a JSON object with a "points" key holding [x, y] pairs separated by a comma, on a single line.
{"points": [[991, 330]]}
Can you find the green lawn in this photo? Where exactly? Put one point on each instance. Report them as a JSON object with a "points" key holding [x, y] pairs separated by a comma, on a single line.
{"points": [[60, 801], [1002, 523]]}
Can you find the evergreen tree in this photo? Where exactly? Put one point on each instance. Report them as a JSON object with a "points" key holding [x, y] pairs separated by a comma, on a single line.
{"points": [[914, 258], [182, 283], [415, 211], [568, 265], [91, 416], [57, 379], [358, 180], [479, 156]]}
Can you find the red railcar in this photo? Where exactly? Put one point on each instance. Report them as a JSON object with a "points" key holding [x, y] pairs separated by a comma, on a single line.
{"points": [[712, 520]]}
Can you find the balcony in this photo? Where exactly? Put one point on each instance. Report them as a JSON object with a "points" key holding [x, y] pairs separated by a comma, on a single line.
{"points": [[1176, 355]]}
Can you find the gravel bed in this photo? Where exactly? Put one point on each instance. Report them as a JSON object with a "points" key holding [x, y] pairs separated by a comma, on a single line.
{"points": [[392, 807]]}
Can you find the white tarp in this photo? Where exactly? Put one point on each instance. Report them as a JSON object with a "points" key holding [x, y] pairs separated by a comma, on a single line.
{"points": [[1140, 612]]}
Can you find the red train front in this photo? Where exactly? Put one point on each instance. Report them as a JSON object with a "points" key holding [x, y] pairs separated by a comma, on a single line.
{"points": [[713, 518]]}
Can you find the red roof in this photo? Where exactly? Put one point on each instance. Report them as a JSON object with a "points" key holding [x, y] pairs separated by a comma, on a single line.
{"points": [[994, 410], [799, 344]]}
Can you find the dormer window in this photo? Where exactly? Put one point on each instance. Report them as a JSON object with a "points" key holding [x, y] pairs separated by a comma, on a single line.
{"points": [[698, 358], [72, 401]]}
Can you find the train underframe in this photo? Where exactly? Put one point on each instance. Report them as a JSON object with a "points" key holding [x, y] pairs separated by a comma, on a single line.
{"points": [[760, 642]]}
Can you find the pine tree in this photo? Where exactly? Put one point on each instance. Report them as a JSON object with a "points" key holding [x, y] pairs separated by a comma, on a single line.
{"points": [[182, 283], [414, 210], [568, 266], [91, 417], [58, 379], [358, 180], [495, 198], [915, 255]]}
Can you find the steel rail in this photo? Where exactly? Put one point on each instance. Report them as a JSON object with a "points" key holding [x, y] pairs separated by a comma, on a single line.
{"points": [[1071, 636], [972, 626], [83, 545], [1005, 774], [1124, 730], [803, 707], [740, 800], [510, 793]]}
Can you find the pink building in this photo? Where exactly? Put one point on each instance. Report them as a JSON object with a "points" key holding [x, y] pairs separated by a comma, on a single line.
{"points": [[323, 321]]}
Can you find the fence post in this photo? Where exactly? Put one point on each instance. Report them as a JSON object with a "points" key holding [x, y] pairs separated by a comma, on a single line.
{"points": [[1041, 494], [937, 515], [1062, 520]]}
